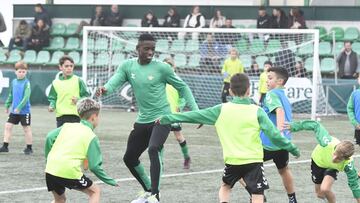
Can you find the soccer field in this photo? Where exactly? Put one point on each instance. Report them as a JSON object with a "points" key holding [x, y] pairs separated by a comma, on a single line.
{"points": [[22, 177]]}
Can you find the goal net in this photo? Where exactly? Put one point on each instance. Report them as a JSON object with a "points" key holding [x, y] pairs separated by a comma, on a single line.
{"points": [[199, 55]]}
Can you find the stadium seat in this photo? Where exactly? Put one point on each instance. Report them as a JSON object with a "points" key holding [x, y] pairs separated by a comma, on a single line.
{"points": [[324, 49], [14, 57], [328, 65], [162, 45], [292, 46], [71, 29], [90, 44], [56, 43], [180, 60], [55, 58], [131, 25], [102, 59], [338, 47], [76, 57], [163, 56], [298, 59], [273, 46], [339, 34], [117, 59], [90, 59], [351, 34], [194, 60], [58, 29], [257, 46], [240, 26], [101, 44], [246, 61], [131, 45], [178, 45], [117, 45], [306, 50], [242, 46], [73, 43], [356, 47], [252, 26], [322, 31], [43, 57], [2, 55], [29, 56], [260, 60], [192, 46], [309, 63]]}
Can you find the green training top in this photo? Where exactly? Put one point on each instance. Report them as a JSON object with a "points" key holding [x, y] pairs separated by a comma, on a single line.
{"points": [[148, 83], [239, 135], [323, 153], [67, 147], [61, 92]]}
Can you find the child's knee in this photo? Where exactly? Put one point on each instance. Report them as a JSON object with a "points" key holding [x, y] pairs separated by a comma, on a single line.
{"points": [[284, 171], [8, 126]]}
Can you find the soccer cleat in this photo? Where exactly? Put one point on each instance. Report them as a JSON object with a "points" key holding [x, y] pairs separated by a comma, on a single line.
{"points": [[152, 199], [28, 151], [4, 149], [187, 162], [142, 197]]}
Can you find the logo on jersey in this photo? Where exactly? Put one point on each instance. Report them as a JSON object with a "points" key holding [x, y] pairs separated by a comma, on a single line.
{"points": [[133, 75], [150, 77]]}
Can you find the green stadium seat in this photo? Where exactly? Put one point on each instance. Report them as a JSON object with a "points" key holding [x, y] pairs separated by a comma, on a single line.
{"points": [[73, 43], [131, 25], [351, 34], [71, 29], [257, 46], [246, 61], [260, 60], [356, 47], [180, 60], [131, 45], [76, 57], [101, 44], [162, 45], [178, 45], [240, 26], [90, 59], [192, 46], [322, 31], [102, 59], [117, 45], [29, 56], [338, 47], [55, 58], [162, 57], [43, 57], [324, 49], [273, 46], [298, 59], [194, 60], [242, 46], [2, 57], [306, 50], [328, 65], [117, 59], [309, 63], [14, 57], [57, 43], [252, 26], [339, 34], [292, 46], [58, 29]]}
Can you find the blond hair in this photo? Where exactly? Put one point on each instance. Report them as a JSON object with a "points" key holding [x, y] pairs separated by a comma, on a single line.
{"points": [[87, 107], [21, 65], [235, 50], [345, 149]]}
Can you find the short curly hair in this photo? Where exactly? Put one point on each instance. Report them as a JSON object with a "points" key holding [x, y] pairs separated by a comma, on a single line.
{"points": [[87, 107]]}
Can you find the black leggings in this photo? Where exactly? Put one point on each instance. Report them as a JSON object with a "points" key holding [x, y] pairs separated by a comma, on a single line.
{"points": [[153, 137]]}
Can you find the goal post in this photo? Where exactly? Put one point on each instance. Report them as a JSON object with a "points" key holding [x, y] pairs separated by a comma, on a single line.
{"points": [[199, 59]]}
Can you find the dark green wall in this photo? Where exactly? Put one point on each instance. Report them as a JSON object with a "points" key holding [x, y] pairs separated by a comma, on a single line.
{"points": [[236, 12]]}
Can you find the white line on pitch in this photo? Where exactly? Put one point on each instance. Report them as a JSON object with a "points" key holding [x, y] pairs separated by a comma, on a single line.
{"points": [[164, 176]]}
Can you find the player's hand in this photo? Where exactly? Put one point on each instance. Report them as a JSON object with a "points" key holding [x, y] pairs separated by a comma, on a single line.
{"points": [[199, 126], [225, 74], [286, 126], [51, 109], [100, 91], [117, 185], [358, 200], [357, 127], [6, 111], [16, 111], [296, 153], [74, 100]]}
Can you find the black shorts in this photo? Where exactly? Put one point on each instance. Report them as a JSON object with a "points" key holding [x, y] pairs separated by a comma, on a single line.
{"points": [[252, 174], [24, 119], [176, 127], [58, 184], [318, 173], [280, 157], [357, 137], [67, 119]]}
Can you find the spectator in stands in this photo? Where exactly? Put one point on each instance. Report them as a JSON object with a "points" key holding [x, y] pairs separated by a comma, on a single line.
{"points": [[172, 18], [149, 20], [263, 20], [285, 58], [347, 62], [279, 19], [41, 13], [300, 70], [98, 19], [296, 19], [40, 36], [229, 39], [254, 70], [22, 36], [2, 27], [193, 20], [114, 17], [212, 52], [218, 20]]}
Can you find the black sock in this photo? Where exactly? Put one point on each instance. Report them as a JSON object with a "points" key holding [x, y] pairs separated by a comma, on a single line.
{"points": [[292, 198], [29, 146], [183, 143], [6, 144]]}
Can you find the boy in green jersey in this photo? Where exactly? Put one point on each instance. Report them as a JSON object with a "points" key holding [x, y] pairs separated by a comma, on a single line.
{"points": [[65, 91], [240, 138], [328, 158], [66, 149]]}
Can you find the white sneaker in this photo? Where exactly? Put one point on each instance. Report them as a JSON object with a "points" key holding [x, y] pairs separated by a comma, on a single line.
{"points": [[142, 197], [152, 199]]}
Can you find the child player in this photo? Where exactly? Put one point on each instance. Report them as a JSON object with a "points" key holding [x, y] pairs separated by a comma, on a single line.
{"points": [[232, 65], [353, 111], [65, 154], [278, 108], [239, 137], [176, 104], [262, 82], [65, 91], [18, 102], [328, 158]]}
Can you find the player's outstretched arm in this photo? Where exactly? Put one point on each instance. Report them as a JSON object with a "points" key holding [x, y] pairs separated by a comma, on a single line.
{"points": [[118, 79], [353, 179]]}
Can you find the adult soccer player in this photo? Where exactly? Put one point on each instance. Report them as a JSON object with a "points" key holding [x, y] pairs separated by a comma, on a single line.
{"points": [[148, 78]]}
